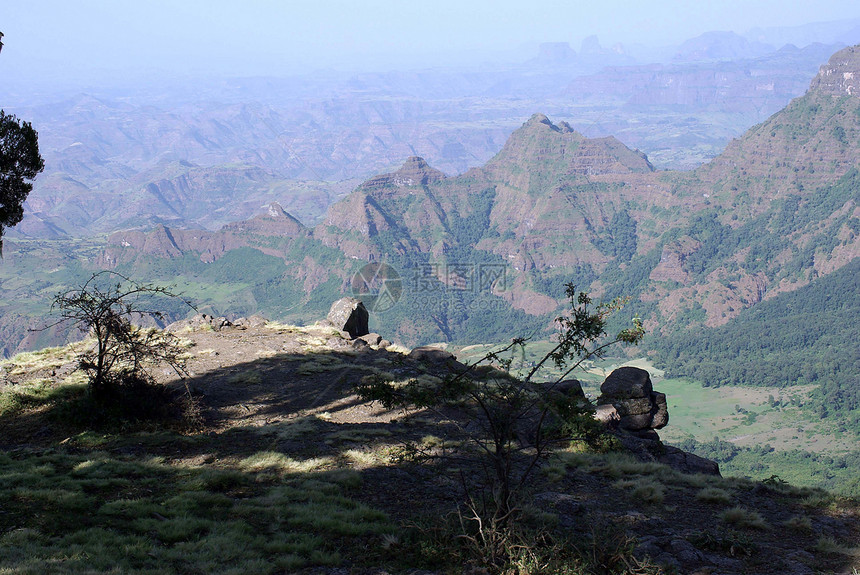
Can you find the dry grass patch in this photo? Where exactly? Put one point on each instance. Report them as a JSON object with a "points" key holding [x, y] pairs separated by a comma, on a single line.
{"points": [[274, 461], [248, 377], [798, 523], [743, 518], [358, 435], [831, 546], [714, 495], [291, 429], [642, 489]]}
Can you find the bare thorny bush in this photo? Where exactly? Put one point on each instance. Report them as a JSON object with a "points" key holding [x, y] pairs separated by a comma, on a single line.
{"points": [[511, 420], [118, 366]]}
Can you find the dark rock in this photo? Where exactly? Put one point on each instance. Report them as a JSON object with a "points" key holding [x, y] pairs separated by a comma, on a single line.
{"points": [[627, 383], [639, 407], [687, 462], [666, 560], [661, 418], [684, 551], [562, 504], [647, 548], [636, 422], [439, 358], [431, 354], [350, 315], [647, 434], [571, 388]]}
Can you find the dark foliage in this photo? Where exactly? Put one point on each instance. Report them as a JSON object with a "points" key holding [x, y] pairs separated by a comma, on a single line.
{"points": [[117, 366], [19, 163]]}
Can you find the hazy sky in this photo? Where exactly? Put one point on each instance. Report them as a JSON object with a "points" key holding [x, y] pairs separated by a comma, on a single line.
{"points": [[86, 38]]}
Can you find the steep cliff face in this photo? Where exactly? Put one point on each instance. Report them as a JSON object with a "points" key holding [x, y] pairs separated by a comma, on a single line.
{"points": [[810, 143], [841, 75]]}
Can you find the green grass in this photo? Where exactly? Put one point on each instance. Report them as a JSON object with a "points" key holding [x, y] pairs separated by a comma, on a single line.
{"points": [[98, 513]]}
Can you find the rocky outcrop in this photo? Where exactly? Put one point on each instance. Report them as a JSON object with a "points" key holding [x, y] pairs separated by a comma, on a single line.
{"points": [[349, 314], [414, 172], [629, 391], [672, 259], [200, 321], [438, 358], [841, 75], [630, 408]]}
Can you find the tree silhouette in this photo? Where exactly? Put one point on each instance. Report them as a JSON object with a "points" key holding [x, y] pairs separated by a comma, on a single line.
{"points": [[19, 163]]}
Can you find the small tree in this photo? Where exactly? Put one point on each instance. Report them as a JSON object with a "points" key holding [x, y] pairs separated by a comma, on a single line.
{"points": [[123, 351], [20, 162], [518, 417]]}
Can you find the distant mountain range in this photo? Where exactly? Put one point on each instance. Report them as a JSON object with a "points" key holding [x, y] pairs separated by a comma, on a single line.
{"points": [[775, 211], [116, 162]]}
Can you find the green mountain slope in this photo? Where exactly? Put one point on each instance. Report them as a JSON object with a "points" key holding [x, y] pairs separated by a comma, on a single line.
{"points": [[808, 336]]}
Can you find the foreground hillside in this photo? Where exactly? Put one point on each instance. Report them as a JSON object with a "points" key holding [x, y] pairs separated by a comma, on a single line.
{"points": [[281, 468]]}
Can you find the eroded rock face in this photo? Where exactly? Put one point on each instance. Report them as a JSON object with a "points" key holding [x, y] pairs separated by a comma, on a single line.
{"points": [[841, 75], [349, 314], [629, 406], [639, 407]]}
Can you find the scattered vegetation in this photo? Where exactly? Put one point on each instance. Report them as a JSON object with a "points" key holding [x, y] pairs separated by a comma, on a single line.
{"points": [[518, 418], [117, 364]]}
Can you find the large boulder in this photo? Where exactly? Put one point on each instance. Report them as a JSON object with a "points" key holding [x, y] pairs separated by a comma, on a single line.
{"points": [[639, 407], [688, 462], [349, 314], [434, 357], [630, 408], [627, 383]]}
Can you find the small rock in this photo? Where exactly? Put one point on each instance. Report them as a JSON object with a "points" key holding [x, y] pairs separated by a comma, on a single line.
{"points": [[371, 338], [257, 321], [684, 551]]}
